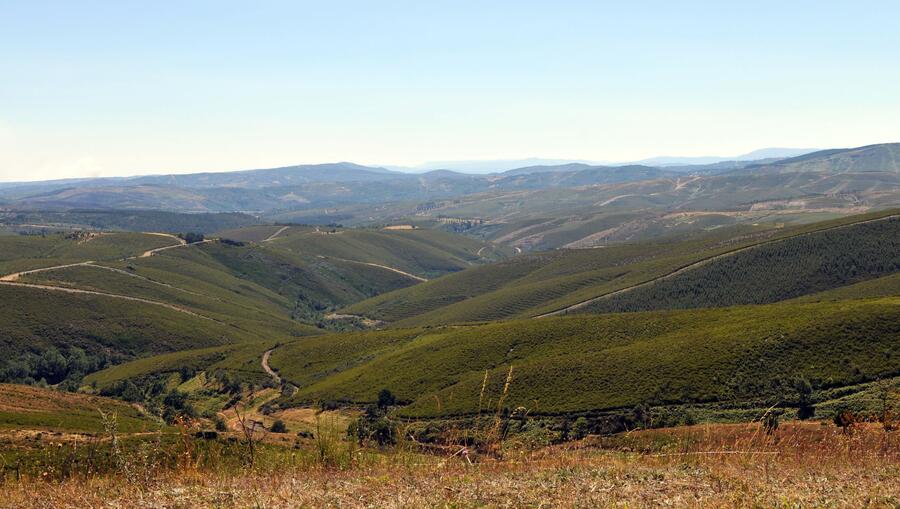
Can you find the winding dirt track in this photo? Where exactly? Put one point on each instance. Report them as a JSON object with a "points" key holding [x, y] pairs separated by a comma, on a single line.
{"points": [[11, 279], [147, 254], [700, 263], [16, 275], [268, 369], [385, 267]]}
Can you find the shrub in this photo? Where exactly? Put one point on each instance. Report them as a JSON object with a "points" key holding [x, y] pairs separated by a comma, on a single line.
{"points": [[770, 421], [844, 419], [580, 429], [279, 427], [373, 426], [805, 408]]}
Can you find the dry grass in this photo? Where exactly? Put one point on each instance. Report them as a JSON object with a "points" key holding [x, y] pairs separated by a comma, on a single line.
{"points": [[801, 465]]}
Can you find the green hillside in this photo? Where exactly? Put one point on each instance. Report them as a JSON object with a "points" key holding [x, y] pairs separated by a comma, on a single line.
{"points": [[594, 363], [122, 298], [885, 286], [24, 252], [86, 332], [424, 253], [35, 408], [771, 272], [534, 284]]}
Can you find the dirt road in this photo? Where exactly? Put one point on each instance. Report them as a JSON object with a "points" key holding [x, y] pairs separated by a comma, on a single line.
{"points": [[279, 232], [104, 294], [385, 267]]}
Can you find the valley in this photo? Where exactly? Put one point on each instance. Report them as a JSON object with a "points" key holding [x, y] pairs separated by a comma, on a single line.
{"points": [[496, 323]]}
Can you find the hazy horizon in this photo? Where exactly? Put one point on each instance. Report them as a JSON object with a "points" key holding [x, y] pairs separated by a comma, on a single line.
{"points": [[469, 166]]}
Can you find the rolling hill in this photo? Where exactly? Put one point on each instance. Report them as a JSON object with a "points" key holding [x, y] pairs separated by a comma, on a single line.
{"points": [[535, 284], [123, 296], [600, 363], [813, 318]]}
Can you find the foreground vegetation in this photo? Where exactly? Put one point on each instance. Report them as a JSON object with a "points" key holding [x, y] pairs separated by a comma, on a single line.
{"points": [[797, 465]]}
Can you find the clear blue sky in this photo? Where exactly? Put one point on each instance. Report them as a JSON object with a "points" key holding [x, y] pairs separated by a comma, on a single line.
{"points": [[120, 87]]}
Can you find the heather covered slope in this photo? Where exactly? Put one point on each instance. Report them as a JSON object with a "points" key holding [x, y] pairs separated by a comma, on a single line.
{"points": [[772, 272], [724, 267], [595, 363], [124, 296]]}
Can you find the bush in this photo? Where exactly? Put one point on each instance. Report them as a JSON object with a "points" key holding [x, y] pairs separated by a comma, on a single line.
{"points": [[220, 423], [580, 429], [770, 421], [373, 426], [279, 427], [844, 419], [191, 237], [805, 408]]}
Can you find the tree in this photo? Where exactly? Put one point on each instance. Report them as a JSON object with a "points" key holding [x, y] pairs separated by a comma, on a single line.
{"points": [[192, 237], [386, 399], [52, 366], [805, 407]]}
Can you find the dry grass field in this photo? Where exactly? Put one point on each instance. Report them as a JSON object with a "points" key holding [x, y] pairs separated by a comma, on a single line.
{"points": [[799, 465]]}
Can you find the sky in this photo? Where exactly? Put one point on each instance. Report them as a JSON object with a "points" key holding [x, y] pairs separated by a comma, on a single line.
{"points": [[124, 88]]}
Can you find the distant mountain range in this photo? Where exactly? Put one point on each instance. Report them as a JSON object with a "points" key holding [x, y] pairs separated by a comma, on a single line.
{"points": [[342, 185], [504, 165]]}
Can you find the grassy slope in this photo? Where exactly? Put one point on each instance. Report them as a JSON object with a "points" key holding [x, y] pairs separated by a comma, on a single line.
{"points": [[314, 280], [426, 253], [532, 283], [34, 319], [885, 286], [35, 408], [29, 252], [543, 282], [172, 362], [588, 363]]}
